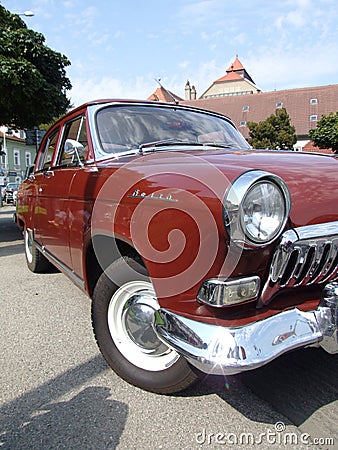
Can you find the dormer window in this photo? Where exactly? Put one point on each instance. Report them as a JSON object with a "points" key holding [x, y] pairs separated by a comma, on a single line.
{"points": [[242, 123], [246, 108], [313, 101], [279, 104], [313, 118]]}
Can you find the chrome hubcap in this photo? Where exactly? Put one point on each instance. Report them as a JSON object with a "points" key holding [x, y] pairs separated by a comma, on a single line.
{"points": [[138, 319], [130, 321]]}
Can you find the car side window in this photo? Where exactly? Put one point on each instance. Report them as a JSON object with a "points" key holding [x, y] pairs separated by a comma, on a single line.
{"points": [[46, 157], [75, 130]]}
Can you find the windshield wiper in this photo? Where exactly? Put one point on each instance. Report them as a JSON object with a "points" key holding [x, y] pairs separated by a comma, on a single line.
{"points": [[179, 142], [220, 144], [165, 143]]}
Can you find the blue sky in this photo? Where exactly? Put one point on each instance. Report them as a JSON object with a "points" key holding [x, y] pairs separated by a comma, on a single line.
{"points": [[118, 48]]}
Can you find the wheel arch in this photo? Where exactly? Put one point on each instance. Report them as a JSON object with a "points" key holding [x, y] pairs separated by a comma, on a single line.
{"points": [[103, 250], [20, 223]]}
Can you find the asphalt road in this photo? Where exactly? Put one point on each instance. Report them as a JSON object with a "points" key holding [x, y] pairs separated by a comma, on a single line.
{"points": [[56, 391]]}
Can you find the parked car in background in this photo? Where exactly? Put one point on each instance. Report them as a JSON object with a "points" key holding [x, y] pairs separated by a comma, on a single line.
{"points": [[199, 253], [9, 191]]}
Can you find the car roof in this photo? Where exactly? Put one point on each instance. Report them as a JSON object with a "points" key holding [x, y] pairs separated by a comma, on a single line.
{"points": [[117, 100], [108, 101]]}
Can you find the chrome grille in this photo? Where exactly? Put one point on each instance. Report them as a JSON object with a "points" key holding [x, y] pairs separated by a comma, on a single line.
{"points": [[306, 255]]}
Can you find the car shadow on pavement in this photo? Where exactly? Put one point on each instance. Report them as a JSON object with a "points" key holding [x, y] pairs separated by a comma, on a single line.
{"points": [[11, 241], [90, 419], [295, 385], [14, 249], [9, 230]]}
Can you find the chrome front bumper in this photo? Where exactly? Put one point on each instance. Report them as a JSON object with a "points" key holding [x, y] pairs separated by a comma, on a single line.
{"points": [[224, 351]]}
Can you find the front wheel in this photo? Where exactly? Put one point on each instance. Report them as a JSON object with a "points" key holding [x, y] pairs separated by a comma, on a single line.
{"points": [[123, 307]]}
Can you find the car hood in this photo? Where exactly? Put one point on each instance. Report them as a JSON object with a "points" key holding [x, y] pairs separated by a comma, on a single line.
{"points": [[312, 179]]}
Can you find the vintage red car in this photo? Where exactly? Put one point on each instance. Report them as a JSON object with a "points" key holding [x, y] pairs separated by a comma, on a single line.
{"points": [[200, 254]]}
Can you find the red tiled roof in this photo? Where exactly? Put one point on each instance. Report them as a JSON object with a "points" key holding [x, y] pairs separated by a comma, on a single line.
{"points": [[235, 72], [257, 107], [236, 65], [231, 76], [13, 138], [162, 95]]}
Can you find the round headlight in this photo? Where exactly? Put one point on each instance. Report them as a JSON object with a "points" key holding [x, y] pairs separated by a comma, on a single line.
{"points": [[262, 212], [256, 207]]}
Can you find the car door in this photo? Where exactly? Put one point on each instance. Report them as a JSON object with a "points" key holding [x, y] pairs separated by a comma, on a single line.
{"points": [[40, 180], [54, 218]]}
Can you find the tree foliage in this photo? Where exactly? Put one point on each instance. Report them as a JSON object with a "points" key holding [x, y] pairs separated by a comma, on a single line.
{"points": [[276, 132], [325, 135], [33, 81]]}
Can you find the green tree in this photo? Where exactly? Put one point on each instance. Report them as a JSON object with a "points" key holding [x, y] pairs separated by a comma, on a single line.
{"points": [[276, 132], [33, 81], [325, 135]]}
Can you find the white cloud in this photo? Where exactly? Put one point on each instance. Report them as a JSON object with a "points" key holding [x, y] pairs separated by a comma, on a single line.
{"points": [[294, 18], [83, 18], [99, 38], [87, 89], [118, 34], [277, 69], [184, 64], [203, 75], [239, 38], [196, 13], [69, 3], [208, 36], [304, 13]]}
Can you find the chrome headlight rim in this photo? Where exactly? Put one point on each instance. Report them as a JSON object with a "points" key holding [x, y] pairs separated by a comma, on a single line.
{"points": [[233, 201]]}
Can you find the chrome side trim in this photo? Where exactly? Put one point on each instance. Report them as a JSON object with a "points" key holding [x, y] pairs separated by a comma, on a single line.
{"points": [[224, 351], [321, 229], [59, 265]]}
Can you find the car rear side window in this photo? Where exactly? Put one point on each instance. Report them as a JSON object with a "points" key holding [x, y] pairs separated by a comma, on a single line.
{"points": [[46, 156], [75, 130]]}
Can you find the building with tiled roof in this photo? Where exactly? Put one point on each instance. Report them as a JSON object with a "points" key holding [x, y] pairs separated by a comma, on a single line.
{"points": [[162, 95], [235, 82], [231, 95]]}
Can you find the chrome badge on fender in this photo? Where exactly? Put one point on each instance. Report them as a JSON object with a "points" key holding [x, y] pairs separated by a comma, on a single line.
{"points": [[142, 195]]}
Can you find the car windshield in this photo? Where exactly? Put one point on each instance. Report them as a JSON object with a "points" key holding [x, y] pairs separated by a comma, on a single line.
{"points": [[122, 128]]}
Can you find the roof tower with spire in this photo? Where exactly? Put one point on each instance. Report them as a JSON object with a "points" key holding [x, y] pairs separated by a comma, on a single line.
{"points": [[236, 81]]}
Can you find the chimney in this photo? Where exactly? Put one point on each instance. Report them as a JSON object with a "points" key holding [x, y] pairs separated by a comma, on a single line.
{"points": [[193, 93], [187, 91]]}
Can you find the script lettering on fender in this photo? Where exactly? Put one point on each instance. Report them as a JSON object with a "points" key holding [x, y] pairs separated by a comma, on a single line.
{"points": [[142, 195]]}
